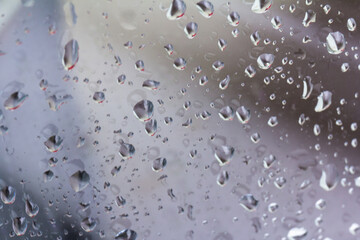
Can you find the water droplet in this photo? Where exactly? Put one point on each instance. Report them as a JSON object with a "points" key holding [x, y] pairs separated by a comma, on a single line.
{"points": [[297, 233], [8, 195], [126, 234], [222, 178], [234, 18], [159, 164], [255, 38], [53, 143], [43, 84], [226, 113], [345, 67], [118, 60], [307, 87], [218, 65], [31, 208], [203, 80], [261, 6], [176, 10], [265, 60], [351, 24], [179, 63], [222, 44], [224, 83], [224, 154], [71, 55], [191, 30], [323, 101], [243, 114], [280, 182], [320, 204], [310, 17], [151, 127], [335, 42], [56, 102], [354, 229], [120, 201], [139, 65], [268, 161], [273, 207], [15, 100], [169, 49], [255, 137], [235, 32], [151, 84], [19, 225], [276, 22], [127, 150], [206, 8], [79, 180], [248, 202], [329, 177], [144, 110], [272, 122], [327, 8], [205, 115], [317, 130], [88, 224], [48, 176], [99, 97], [250, 71], [128, 44]]}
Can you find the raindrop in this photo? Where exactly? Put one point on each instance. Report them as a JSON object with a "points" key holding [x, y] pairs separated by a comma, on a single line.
{"points": [[206, 8], [54, 143], [88, 224], [8, 195], [224, 83], [351, 24], [255, 38], [151, 84], [71, 55], [169, 49], [19, 225], [151, 127], [308, 87], [265, 60], [126, 150], [310, 17], [31, 208], [222, 178], [272, 122], [297, 233], [48, 176], [203, 80], [248, 202], [329, 177], [144, 110], [317, 130], [250, 71], [120, 201], [335, 42], [139, 65], [126, 234], [243, 114], [218, 65], [224, 154], [43, 84], [159, 164], [280, 182], [234, 18], [268, 161], [15, 100], [191, 30], [99, 97], [276, 22], [79, 180], [176, 10], [179, 63], [226, 113], [255, 137], [323, 101], [222, 44], [261, 6]]}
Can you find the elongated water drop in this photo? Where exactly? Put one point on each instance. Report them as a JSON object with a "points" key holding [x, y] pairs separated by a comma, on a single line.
{"points": [[8, 194], [307, 87], [310, 17], [323, 101], [127, 150], [222, 178], [19, 225], [126, 234], [151, 127], [15, 100], [255, 38], [243, 114], [351, 24], [151, 84], [79, 180], [71, 55], [329, 177], [224, 83], [222, 44], [31, 208], [297, 233], [234, 18]]}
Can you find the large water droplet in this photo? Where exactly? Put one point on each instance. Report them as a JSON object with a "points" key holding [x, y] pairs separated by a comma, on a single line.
{"points": [[255, 38], [248, 202], [179, 63], [139, 65], [265, 60], [297, 233], [126, 234], [159, 164], [218, 65], [206, 8], [71, 54], [127, 150], [226, 113], [224, 83], [15, 100], [88, 224], [335, 42], [310, 17], [176, 10], [224, 154], [99, 97], [323, 101], [144, 110], [151, 127], [8, 195], [234, 18], [243, 114], [191, 30], [31, 208], [151, 84], [268, 161], [351, 24], [261, 6], [53, 143], [79, 180], [19, 225], [329, 177]]}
